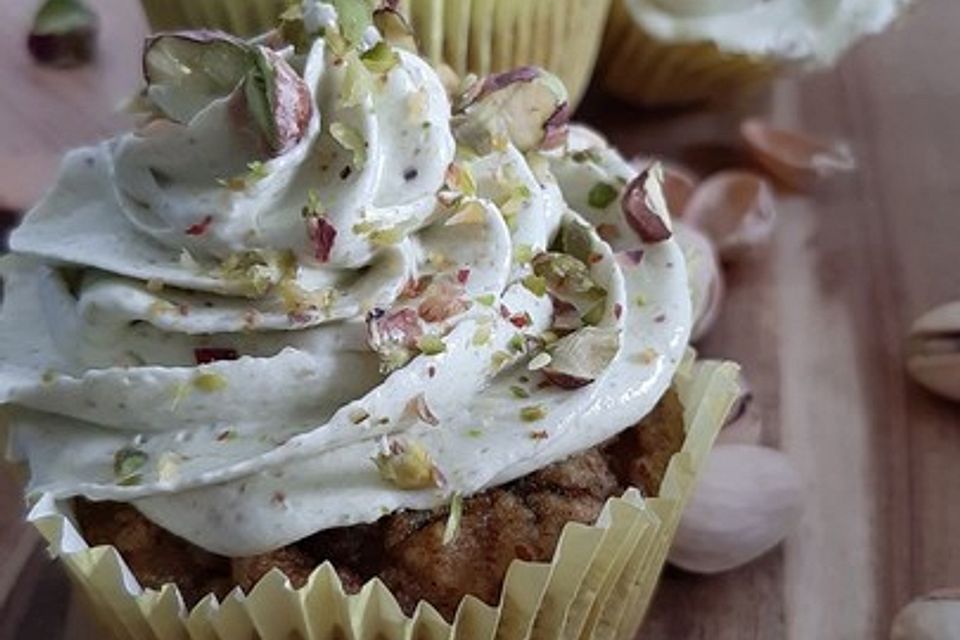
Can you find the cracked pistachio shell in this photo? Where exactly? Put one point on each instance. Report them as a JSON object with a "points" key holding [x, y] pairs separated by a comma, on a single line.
{"points": [[797, 159], [747, 500], [744, 424], [736, 210], [935, 616], [705, 277], [933, 350]]}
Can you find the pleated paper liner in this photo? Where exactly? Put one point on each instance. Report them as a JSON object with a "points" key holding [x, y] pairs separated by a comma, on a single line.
{"points": [[642, 70], [598, 585], [484, 36]]}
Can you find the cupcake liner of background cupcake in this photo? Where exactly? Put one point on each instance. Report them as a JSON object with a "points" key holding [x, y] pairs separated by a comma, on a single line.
{"points": [[242, 17], [484, 36], [638, 68], [598, 584]]}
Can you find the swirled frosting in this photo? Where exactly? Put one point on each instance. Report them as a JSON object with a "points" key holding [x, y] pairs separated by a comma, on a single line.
{"points": [[813, 32], [252, 333]]}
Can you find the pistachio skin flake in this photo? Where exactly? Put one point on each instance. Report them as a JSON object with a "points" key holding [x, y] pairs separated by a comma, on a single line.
{"points": [[407, 465], [602, 195], [128, 463], [533, 413]]}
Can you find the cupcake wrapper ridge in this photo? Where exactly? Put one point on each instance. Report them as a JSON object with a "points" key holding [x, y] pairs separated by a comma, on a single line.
{"points": [[598, 584]]}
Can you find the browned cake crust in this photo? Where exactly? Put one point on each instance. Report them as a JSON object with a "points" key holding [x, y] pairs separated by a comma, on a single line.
{"points": [[522, 519]]}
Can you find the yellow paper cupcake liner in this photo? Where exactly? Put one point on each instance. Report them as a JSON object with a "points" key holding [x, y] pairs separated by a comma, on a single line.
{"points": [[484, 36], [242, 17], [642, 70], [598, 584]]}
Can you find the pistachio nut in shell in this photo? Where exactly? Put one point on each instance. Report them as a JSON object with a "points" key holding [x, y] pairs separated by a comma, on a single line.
{"points": [[933, 350], [935, 616], [704, 275], [747, 500], [797, 159], [737, 211]]}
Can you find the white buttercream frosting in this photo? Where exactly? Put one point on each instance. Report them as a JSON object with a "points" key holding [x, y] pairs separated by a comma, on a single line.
{"points": [[245, 412], [805, 31]]}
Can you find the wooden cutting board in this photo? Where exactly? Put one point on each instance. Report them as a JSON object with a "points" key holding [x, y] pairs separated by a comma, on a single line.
{"points": [[818, 322]]}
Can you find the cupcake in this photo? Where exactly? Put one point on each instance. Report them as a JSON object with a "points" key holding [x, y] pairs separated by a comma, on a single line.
{"points": [[659, 52], [562, 36], [241, 17], [310, 352]]}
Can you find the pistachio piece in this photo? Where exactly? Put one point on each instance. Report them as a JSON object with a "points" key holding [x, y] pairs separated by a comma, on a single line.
{"points": [[678, 183], [705, 278], [799, 160], [645, 207], [934, 616], [394, 28], [187, 70], [394, 336], [746, 501], [407, 464], [933, 350], [736, 210], [64, 33], [581, 357], [526, 106], [128, 463]]}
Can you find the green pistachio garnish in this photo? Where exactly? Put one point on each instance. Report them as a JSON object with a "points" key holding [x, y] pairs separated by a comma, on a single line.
{"points": [[407, 465], [452, 527], [127, 465], [357, 82], [209, 381], [352, 140], [537, 285], [475, 433], [532, 413], [486, 299], [481, 336], [168, 466], [380, 58], [602, 195], [567, 276], [517, 344], [523, 254], [519, 392], [394, 28], [498, 359], [257, 271], [431, 345]]}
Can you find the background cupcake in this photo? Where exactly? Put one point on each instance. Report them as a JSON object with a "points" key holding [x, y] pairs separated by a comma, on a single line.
{"points": [[479, 36], [659, 52]]}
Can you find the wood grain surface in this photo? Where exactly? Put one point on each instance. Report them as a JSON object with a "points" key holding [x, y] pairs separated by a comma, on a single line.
{"points": [[818, 322]]}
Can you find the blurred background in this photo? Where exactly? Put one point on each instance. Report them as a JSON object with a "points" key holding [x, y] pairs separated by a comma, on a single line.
{"points": [[819, 313]]}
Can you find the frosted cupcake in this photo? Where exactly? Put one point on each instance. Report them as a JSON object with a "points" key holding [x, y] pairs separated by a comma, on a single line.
{"points": [[659, 52], [315, 354]]}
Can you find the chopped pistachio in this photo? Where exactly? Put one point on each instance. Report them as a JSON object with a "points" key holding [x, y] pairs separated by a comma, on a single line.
{"points": [[601, 195], [460, 179], [519, 392], [498, 359], [386, 237], [49, 376], [481, 336], [407, 465], [357, 82], [517, 344], [358, 415], [470, 212], [352, 140], [537, 285], [486, 299], [431, 344], [380, 58], [474, 433], [209, 381], [532, 413], [539, 361], [595, 314], [168, 466], [127, 465], [452, 527], [523, 254], [641, 300]]}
